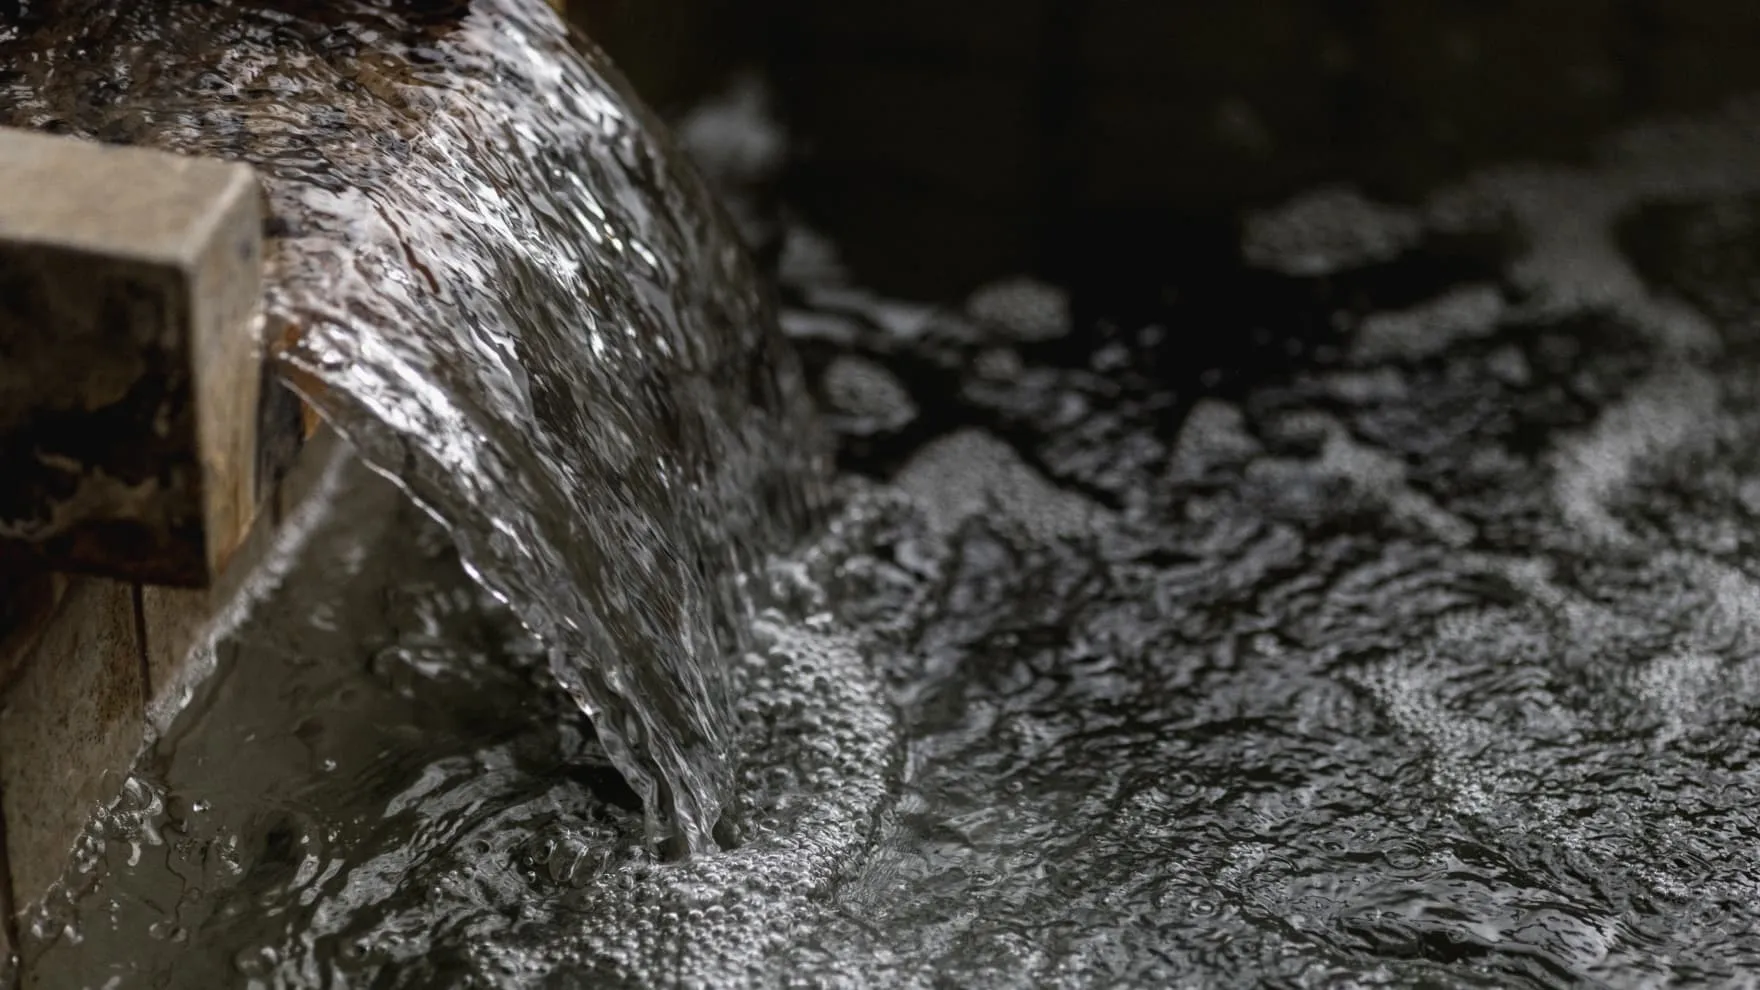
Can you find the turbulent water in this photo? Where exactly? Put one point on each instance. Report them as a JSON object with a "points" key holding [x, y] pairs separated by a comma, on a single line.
{"points": [[493, 274], [1376, 603]]}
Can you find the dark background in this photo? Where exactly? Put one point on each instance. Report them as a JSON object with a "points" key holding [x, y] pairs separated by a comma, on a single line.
{"points": [[942, 143]]}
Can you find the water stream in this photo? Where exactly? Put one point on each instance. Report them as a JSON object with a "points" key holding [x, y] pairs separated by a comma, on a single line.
{"points": [[1374, 602], [493, 275]]}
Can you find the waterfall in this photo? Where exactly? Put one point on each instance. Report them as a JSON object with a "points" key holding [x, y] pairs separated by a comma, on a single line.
{"points": [[494, 275]]}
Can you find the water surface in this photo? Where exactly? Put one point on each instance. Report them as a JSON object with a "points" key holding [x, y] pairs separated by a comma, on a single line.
{"points": [[1372, 604]]}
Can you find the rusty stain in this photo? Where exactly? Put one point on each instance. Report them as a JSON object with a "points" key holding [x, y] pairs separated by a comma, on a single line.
{"points": [[285, 339], [305, 384]]}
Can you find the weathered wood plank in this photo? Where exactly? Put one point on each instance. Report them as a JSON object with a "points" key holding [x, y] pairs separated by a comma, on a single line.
{"points": [[66, 724], [130, 359]]}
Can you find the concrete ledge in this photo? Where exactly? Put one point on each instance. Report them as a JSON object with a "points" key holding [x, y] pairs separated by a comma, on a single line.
{"points": [[88, 669], [8, 918], [75, 715]]}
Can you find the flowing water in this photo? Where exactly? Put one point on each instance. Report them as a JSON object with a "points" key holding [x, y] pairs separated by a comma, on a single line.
{"points": [[1371, 602], [490, 271]]}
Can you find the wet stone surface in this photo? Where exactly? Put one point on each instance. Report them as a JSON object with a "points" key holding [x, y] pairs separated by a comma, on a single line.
{"points": [[1382, 615]]}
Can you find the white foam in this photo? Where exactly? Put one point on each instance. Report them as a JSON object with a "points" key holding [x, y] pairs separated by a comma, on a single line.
{"points": [[970, 473], [1597, 466]]}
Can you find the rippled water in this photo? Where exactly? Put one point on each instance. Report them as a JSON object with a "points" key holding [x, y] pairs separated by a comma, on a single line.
{"points": [[1373, 604], [492, 273]]}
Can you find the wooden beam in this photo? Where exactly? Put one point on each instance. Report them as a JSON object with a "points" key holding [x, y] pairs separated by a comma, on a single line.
{"points": [[130, 358]]}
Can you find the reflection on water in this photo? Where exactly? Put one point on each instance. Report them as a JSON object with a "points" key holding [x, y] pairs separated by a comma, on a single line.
{"points": [[1421, 655], [501, 284], [1376, 605]]}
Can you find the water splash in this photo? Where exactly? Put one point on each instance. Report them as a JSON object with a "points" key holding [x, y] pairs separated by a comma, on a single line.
{"points": [[492, 272], [1414, 657]]}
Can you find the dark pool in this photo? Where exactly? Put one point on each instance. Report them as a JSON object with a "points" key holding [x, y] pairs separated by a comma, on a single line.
{"points": [[1362, 592]]}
